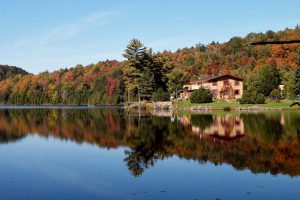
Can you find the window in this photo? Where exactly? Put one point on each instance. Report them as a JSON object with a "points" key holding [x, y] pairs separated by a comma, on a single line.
{"points": [[236, 92], [215, 83], [236, 83]]}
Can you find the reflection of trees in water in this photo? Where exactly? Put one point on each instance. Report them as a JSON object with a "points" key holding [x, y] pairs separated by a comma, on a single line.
{"points": [[149, 141], [102, 127], [5, 138], [266, 147], [270, 144], [268, 127]]}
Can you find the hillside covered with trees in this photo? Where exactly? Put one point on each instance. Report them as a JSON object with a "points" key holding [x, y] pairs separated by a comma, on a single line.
{"points": [[146, 74], [7, 71]]}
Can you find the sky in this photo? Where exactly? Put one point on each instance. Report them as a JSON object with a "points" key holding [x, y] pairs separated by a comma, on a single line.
{"points": [[43, 36]]}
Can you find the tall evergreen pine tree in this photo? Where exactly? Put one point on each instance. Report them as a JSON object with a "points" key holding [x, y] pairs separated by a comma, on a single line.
{"points": [[297, 78]]}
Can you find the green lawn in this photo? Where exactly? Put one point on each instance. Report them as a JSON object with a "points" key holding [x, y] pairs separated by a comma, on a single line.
{"points": [[223, 104]]}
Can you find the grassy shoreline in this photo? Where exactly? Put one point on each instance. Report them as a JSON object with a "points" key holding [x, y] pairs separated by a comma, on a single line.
{"points": [[188, 106], [227, 105]]}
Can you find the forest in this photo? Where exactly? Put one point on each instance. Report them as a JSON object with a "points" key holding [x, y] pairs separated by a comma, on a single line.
{"points": [[149, 75], [7, 71]]}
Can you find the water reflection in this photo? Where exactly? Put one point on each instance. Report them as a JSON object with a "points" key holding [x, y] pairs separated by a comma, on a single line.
{"points": [[260, 142], [215, 127]]}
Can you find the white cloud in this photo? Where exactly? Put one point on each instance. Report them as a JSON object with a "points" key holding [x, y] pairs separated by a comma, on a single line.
{"points": [[55, 46]]}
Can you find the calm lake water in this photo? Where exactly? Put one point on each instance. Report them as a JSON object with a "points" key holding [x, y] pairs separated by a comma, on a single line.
{"points": [[70, 153]]}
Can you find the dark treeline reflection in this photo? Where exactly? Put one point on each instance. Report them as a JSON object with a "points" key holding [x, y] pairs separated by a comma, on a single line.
{"points": [[260, 142]]}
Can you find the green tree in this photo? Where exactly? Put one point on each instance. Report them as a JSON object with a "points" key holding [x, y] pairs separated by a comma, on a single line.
{"points": [[264, 80], [175, 82], [160, 66], [146, 84], [235, 45], [297, 78], [160, 95], [144, 71], [270, 78], [135, 53], [287, 78]]}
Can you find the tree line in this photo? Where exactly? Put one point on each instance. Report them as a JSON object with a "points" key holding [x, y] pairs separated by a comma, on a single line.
{"points": [[96, 84], [144, 75], [149, 75]]}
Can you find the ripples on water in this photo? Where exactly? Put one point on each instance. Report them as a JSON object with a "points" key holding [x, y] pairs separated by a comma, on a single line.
{"points": [[69, 153]]}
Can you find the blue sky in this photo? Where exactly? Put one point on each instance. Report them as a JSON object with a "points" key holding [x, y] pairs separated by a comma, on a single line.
{"points": [[47, 35]]}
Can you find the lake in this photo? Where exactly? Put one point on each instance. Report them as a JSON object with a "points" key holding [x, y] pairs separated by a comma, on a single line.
{"points": [[109, 153]]}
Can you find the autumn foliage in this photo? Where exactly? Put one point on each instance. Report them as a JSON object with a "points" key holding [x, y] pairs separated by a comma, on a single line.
{"points": [[106, 82], [94, 84]]}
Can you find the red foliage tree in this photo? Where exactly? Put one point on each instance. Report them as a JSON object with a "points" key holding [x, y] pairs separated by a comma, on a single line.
{"points": [[111, 86]]}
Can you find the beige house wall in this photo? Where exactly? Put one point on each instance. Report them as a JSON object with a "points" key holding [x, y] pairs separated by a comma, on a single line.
{"points": [[216, 87]]}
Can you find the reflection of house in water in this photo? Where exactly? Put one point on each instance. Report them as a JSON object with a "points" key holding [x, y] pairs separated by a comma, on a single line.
{"points": [[223, 128], [185, 121]]}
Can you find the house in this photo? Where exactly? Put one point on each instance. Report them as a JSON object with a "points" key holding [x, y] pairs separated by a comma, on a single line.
{"points": [[222, 87]]}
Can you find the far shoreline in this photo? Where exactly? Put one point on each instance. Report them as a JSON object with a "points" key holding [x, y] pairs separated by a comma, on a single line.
{"points": [[59, 107]]}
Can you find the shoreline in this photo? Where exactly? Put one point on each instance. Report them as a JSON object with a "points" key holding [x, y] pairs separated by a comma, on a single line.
{"points": [[233, 106], [175, 106], [250, 108]]}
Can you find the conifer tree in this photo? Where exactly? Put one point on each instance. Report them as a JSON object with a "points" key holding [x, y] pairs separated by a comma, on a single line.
{"points": [[135, 54], [297, 78], [175, 82]]}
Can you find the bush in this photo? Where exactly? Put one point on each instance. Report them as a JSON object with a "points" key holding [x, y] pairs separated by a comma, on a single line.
{"points": [[275, 94], [260, 99], [201, 96], [160, 95], [252, 97]]}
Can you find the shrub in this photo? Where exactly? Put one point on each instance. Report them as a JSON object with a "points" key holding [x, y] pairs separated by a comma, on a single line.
{"points": [[275, 94], [260, 99], [252, 97], [201, 96], [160, 95]]}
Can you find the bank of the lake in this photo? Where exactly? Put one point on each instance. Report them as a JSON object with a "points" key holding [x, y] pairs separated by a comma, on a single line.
{"points": [[233, 105], [213, 106]]}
